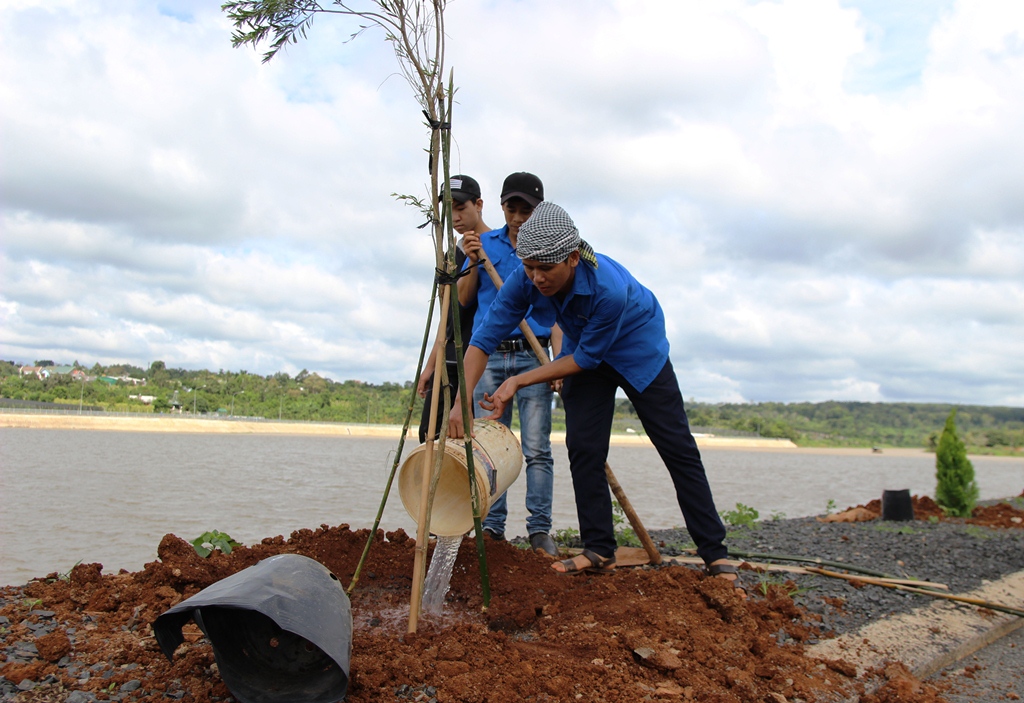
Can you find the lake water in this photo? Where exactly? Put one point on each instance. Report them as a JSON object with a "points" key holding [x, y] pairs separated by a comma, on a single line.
{"points": [[74, 495]]}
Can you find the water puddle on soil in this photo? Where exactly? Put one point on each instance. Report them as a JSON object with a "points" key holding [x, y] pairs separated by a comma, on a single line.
{"points": [[439, 575]]}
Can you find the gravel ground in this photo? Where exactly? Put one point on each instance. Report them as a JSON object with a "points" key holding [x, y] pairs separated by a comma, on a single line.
{"points": [[959, 555]]}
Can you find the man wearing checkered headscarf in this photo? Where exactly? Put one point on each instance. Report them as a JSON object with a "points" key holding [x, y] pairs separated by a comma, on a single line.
{"points": [[613, 337], [550, 235]]}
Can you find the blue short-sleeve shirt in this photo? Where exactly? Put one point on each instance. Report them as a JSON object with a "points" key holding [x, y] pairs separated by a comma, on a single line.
{"points": [[502, 255], [607, 316]]}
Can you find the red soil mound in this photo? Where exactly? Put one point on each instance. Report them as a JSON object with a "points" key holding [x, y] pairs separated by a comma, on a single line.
{"points": [[642, 633], [1000, 515]]}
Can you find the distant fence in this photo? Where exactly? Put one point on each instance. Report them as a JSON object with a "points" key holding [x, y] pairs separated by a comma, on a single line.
{"points": [[41, 408], [39, 405]]}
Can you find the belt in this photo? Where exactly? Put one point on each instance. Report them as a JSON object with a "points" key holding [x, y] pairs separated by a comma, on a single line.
{"points": [[520, 344]]}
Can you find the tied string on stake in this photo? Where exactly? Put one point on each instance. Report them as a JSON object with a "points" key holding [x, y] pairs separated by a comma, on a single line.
{"points": [[436, 126], [443, 278]]}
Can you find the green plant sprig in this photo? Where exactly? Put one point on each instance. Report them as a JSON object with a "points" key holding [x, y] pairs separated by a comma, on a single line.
{"points": [[205, 543]]}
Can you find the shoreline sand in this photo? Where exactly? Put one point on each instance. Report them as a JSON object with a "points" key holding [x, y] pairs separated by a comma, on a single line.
{"points": [[172, 423], [184, 424]]}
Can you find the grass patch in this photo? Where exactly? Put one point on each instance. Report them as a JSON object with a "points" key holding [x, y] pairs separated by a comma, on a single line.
{"points": [[741, 516], [978, 532], [901, 530]]}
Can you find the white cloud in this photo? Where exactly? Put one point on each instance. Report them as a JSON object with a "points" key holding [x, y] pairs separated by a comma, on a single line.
{"points": [[823, 195]]}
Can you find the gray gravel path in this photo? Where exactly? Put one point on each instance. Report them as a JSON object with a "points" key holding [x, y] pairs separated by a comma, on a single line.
{"points": [[959, 555]]}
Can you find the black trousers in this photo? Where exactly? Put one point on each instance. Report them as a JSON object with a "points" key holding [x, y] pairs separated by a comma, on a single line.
{"points": [[589, 399]]}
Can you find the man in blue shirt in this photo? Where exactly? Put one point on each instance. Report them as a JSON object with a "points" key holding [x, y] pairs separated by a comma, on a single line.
{"points": [[467, 217], [614, 337], [511, 355]]}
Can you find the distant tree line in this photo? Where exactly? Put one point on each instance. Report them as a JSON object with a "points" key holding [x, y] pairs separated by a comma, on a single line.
{"points": [[838, 423], [311, 397]]}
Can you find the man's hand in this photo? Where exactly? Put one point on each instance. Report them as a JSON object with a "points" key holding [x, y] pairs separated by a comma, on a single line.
{"points": [[424, 382], [471, 245], [502, 397], [455, 427]]}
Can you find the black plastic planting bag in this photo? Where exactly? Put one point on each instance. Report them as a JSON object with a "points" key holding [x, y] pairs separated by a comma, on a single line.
{"points": [[281, 631]]}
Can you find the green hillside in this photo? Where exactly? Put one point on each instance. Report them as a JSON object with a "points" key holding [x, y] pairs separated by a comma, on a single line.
{"points": [[310, 397]]}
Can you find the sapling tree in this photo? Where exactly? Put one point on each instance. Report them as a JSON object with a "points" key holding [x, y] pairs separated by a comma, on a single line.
{"points": [[957, 490], [415, 29]]}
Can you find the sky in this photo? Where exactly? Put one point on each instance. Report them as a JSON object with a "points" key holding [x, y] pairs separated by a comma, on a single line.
{"points": [[827, 197]]}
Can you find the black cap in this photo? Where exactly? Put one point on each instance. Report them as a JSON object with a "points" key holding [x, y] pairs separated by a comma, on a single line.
{"points": [[523, 185], [464, 189]]}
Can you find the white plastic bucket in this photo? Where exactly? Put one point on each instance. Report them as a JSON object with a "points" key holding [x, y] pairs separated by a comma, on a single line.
{"points": [[497, 461]]}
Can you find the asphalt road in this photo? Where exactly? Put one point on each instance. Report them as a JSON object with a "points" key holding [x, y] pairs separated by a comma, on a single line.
{"points": [[994, 674]]}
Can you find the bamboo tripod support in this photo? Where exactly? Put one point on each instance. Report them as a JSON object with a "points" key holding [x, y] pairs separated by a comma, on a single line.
{"points": [[433, 459], [620, 495]]}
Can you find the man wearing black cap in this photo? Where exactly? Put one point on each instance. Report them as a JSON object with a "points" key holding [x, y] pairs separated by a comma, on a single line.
{"points": [[467, 217], [520, 194]]}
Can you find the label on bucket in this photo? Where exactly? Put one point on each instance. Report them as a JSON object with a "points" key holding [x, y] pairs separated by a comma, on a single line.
{"points": [[484, 461]]}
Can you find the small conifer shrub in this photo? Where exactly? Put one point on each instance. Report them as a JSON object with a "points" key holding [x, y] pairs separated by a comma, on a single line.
{"points": [[957, 491]]}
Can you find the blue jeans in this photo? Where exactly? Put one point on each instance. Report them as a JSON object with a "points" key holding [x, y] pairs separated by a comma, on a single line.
{"points": [[535, 429]]}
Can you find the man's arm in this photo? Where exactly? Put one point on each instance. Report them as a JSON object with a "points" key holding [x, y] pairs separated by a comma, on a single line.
{"points": [[556, 341], [473, 365], [470, 283], [556, 349], [428, 369]]}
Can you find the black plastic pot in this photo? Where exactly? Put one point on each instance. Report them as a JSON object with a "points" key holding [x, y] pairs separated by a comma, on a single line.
{"points": [[281, 631], [896, 505]]}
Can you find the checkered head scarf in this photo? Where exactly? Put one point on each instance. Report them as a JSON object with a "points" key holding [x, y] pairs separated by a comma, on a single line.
{"points": [[549, 236]]}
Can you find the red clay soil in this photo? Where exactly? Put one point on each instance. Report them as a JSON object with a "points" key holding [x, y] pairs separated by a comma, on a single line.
{"points": [[642, 633], [925, 508]]}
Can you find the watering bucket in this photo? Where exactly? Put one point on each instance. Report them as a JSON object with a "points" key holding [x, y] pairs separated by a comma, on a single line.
{"points": [[497, 461]]}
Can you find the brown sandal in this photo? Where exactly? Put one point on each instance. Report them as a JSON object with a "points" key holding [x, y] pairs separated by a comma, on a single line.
{"points": [[719, 569], [598, 564]]}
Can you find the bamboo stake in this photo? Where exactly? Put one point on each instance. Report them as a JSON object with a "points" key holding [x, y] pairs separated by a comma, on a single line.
{"points": [[759, 566], [923, 591], [620, 495], [436, 114], [467, 411], [811, 560], [638, 527], [427, 470]]}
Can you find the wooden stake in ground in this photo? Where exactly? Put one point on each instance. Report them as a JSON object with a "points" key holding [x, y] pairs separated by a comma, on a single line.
{"points": [[419, 567], [613, 483]]}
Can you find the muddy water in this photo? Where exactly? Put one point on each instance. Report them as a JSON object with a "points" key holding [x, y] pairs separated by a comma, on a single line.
{"points": [[108, 497]]}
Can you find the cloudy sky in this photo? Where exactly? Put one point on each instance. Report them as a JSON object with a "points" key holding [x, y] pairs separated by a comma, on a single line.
{"points": [[827, 197]]}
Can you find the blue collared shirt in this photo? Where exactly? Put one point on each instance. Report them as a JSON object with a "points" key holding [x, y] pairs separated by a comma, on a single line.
{"points": [[502, 254], [606, 316]]}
